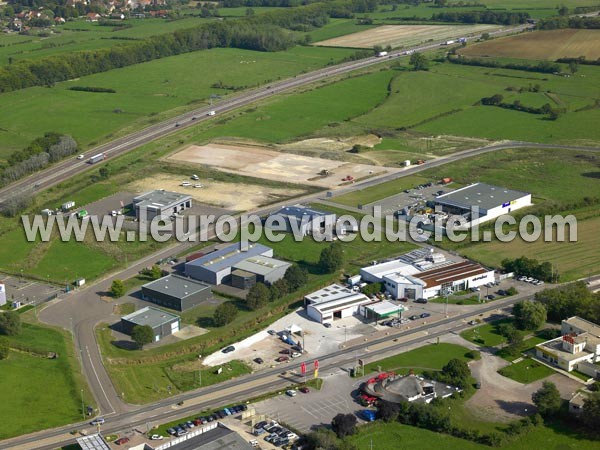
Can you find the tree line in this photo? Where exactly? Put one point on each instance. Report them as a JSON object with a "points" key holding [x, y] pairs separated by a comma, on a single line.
{"points": [[541, 67], [491, 17], [529, 267], [496, 100], [555, 23]]}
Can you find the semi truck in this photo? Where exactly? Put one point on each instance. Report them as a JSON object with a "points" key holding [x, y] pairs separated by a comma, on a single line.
{"points": [[381, 54], [97, 158]]}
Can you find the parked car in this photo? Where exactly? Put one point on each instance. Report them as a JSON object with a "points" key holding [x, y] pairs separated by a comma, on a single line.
{"points": [[327, 324], [490, 297], [296, 355], [171, 431], [283, 359], [272, 332], [472, 322], [228, 349], [297, 348], [190, 424], [156, 437], [304, 390], [291, 392], [414, 317], [424, 315], [285, 351], [121, 441], [259, 431], [421, 300], [404, 299], [502, 292]]}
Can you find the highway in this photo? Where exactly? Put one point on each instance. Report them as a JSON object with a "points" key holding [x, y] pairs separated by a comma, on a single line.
{"points": [[71, 167], [120, 414]]}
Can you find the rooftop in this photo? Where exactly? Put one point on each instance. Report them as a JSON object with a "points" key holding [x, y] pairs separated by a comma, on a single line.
{"points": [[331, 292], [261, 265], [584, 325], [92, 442], [384, 308], [177, 286], [404, 279], [159, 198], [220, 438], [150, 316], [299, 211], [229, 256], [483, 195], [352, 299], [555, 347], [453, 272]]}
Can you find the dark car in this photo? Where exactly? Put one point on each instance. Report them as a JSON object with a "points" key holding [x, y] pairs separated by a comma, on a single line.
{"points": [[258, 360], [285, 351], [490, 297], [272, 332], [304, 390], [414, 317], [404, 299], [260, 424], [327, 325], [171, 431], [502, 292], [424, 315], [282, 359], [228, 349], [123, 440], [421, 300], [298, 348]]}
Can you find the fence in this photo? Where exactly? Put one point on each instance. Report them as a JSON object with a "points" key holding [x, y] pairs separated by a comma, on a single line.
{"points": [[190, 435]]}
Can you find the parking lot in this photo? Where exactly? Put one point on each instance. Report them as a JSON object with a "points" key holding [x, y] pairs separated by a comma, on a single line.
{"points": [[413, 197], [28, 291]]}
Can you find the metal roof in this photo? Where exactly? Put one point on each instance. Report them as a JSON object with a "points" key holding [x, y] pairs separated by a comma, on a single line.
{"points": [[159, 199], [221, 438], [331, 292], [384, 308], [150, 316], [177, 286], [483, 195], [92, 442], [299, 211], [453, 272], [228, 256], [261, 265], [341, 303]]}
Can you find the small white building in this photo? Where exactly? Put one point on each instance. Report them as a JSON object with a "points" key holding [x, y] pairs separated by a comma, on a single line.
{"points": [[334, 302], [481, 202], [2, 294]]}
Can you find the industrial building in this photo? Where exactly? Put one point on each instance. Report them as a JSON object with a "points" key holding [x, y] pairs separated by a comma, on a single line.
{"points": [[266, 269], [381, 310], [481, 202], [162, 323], [302, 220], [176, 292], [216, 267], [577, 349], [334, 302], [160, 203]]}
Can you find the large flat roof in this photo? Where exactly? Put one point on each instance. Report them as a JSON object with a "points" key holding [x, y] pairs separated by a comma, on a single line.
{"points": [[384, 308], [386, 268], [150, 316], [485, 196], [177, 286], [160, 198], [453, 272], [261, 265], [584, 325], [353, 299], [92, 442], [299, 211], [228, 256], [331, 292]]}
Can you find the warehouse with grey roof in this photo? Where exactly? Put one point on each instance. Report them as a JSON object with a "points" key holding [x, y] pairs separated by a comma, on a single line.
{"points": [[162, 323], [176, 292], [160, 203]]}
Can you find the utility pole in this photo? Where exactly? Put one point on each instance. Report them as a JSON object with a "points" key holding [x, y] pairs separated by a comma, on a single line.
{"points": [[82, 406], [200, 370]]}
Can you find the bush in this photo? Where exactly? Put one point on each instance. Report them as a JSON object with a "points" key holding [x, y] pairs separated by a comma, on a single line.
{"points": [[142, 335], [117, 288], [224, 313], [4, 349], [10, 323], [473, 354]]}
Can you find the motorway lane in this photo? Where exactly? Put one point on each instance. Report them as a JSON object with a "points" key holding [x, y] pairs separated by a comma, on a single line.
{"points": [[269, 380], [71, 167]]}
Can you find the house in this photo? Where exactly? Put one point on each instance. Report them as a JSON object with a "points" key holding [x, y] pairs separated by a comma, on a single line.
{"points": [[578, 347], [93, 17]]}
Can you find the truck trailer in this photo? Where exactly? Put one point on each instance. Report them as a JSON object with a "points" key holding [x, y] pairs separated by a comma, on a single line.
{"points": [[97, 158]]}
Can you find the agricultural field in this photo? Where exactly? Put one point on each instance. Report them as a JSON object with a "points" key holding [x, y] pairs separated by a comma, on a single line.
{"points": [[167, 89], [540, 45], [335, 28], [46, 392], [403, 35]]}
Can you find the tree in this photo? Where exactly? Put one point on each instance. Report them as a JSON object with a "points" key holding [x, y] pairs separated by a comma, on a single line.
{"points": [[456, 372], [117, 288], [258, 296], [440, 3], [529, 315], [591, 412], [224, 313], [142, 335], [4, 349], [573, 67], [296, 277], [372, 289], [331, 258], [419, 61], [547, 399], [485, 36], [10, 323], [563, 11], [155, 272], [344, 425], [278, 289], [104, 173], [388, 411]]}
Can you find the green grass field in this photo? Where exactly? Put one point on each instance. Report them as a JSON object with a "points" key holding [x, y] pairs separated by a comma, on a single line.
{"points": [[45, 392], [433, 356], [526, 371], [167, 87], [486, 335]]}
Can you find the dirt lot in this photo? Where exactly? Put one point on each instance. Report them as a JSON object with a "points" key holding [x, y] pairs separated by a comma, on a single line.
{"points": [[231, 196], [549, 45], [402, 35], [272, 165]]}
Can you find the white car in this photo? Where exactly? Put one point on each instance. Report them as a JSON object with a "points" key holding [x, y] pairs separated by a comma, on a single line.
{"points": [[211, 113], [98, 421], [296, 355], [291, 392], [80, 157], [156, 437]]}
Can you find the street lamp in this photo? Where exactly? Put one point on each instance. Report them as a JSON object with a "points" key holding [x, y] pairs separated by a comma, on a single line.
{"points": [[82, 406]]}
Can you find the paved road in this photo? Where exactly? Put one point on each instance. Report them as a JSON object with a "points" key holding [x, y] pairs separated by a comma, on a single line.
{"points": [[242, 388], [71, 167]]}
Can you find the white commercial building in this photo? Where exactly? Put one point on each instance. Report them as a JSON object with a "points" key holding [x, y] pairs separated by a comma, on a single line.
{"points": [[2, 294], [334, 302], [481, 202]]}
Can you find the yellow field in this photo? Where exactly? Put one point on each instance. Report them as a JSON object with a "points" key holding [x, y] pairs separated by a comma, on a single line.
{"points": [[572, 259], [548, 45], [403, 35]]}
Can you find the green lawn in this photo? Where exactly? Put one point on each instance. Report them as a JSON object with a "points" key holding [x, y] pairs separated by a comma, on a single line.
{"points": [[433, 356], [486, 335], [37, 392], [167, 86], [526, 371], [335, 28]]}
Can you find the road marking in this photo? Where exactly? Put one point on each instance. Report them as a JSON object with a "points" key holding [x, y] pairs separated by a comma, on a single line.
{"points": [[98, 378]]}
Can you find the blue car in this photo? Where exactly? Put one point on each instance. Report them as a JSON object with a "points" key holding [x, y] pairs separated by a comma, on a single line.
{"points": [[369, 415]]}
